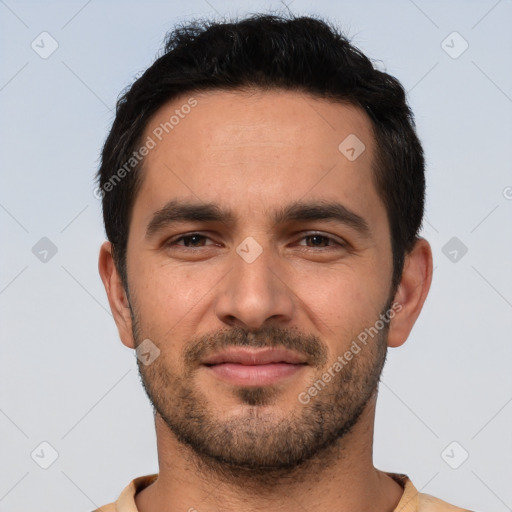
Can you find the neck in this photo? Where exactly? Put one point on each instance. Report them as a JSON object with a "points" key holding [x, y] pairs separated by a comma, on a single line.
{"points": [[342, 479]]}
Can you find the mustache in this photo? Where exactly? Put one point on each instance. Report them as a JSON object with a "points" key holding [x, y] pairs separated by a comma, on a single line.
{"points": [[272, 336]]}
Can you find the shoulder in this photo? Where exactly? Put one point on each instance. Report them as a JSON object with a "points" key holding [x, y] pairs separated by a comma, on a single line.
{"points": [[111, 507], [428, 503], [414, 501], [126, 500]]}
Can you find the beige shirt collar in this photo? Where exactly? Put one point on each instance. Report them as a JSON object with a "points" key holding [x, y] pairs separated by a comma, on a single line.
{"points": [[126, 501]]}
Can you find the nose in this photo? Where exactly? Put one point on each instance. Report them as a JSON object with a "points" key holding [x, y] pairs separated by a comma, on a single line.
{"points": [[255, 293]]}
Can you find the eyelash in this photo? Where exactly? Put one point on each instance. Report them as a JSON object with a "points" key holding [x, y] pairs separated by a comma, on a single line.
{"points": [[173, 241]]}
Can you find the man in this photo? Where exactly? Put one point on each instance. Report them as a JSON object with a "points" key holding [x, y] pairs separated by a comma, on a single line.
{"points": [[263, 190]]}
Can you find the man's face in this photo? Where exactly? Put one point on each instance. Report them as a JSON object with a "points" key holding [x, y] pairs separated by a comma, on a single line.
{"points": [[302, 263]]}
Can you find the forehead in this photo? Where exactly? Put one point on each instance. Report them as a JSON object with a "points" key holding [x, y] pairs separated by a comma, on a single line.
{"points": [[247, 148]]}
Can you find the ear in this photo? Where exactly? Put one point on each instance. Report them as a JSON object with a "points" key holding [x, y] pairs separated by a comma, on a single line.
{"points": [[411, 292], [116, 294]]}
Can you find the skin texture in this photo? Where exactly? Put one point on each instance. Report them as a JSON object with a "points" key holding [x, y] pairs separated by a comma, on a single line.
{"points": [[229, 447]]}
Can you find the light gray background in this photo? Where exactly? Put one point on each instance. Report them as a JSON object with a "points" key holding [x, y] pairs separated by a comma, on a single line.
{"points": [[66, 378]]}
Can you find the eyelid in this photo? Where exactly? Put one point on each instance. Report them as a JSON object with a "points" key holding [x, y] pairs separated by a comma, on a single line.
{"points": [[337, 240], [304, 234], [172, 240]]}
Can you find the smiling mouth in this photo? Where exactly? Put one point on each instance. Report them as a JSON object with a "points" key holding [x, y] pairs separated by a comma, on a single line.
{"points": [[246, 366], [254, 374]]}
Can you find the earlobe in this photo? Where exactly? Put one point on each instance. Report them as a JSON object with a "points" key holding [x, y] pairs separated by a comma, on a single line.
{"points": [[412, 291], [116, 294]]}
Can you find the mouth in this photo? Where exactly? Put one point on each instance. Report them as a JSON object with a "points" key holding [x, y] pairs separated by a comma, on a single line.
{"points": [[250, 367]]}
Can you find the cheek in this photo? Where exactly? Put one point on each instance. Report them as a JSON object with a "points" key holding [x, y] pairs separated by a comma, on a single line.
{"points": [[340, 291], [169, 297], [341, 303]]}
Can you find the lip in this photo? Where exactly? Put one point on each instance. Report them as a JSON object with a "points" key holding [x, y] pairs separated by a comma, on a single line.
{"points": [[254, 357], [249, 367]]}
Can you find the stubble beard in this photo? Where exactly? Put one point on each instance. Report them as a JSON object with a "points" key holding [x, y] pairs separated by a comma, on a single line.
{"points": [[261, 447]]}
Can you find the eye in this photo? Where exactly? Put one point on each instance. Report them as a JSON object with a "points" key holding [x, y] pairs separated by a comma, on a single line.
{"points": [[190, 241], [320, 240]]}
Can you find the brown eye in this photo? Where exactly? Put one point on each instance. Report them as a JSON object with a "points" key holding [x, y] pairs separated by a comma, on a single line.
{"points": [[321, 241], [189, 241], [194, 240], [318, 240]]}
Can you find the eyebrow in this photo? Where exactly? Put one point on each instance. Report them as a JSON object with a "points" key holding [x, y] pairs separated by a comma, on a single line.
{"points": [[177, 211]]}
